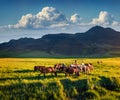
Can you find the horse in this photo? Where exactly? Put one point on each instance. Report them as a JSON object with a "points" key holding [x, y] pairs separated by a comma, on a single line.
{"points": [[45, 70], [72, 70], [87, 68], [99, 62], [90, 66], [59, 67], [37, 68]]}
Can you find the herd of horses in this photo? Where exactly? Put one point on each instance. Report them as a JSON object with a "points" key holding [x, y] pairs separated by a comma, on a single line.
{"points": [[62, 68]]}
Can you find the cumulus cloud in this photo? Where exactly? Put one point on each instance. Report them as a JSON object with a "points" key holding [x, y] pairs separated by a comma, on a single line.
{"points": [[51, 18], [47, 17], [104, 18], [76, 19]]}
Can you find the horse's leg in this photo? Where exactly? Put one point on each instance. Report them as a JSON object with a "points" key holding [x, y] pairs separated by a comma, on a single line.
{"points": [[55, 73], [65, 74], [88, 70], [40, 74], [51, 73], [77, 74], [85, 70], [44, 74]]}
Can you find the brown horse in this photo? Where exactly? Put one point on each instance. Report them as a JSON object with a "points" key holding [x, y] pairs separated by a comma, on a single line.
{"points": [[90, 66], [72, 70], [86, 69], [37, 68], [59, 67], [45, 70]]}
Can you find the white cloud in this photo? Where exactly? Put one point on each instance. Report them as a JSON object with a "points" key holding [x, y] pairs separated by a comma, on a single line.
{"points": [[50, 17], [47, 17], [50, 20], [104, 18], [53, 19], [76, 19], [26, 21]]}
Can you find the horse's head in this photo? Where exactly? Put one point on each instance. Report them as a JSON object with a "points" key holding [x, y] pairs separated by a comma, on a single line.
{"points": [[35, 68], [57, 66], [90, 66]]}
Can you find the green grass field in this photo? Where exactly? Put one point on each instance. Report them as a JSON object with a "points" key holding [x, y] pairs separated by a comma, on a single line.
{"points": [[18, 81]]}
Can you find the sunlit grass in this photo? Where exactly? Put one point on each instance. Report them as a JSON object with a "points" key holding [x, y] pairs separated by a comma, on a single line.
{"points": [[19, 81]]}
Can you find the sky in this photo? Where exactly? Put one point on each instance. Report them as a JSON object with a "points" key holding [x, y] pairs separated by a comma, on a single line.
{"points": [[35, 18]]}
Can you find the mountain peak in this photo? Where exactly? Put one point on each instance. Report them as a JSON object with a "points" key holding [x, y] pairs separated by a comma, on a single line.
{"points": [[95, 29], [99, 29]]}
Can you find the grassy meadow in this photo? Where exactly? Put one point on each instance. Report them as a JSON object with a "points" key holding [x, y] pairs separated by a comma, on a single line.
{"points": [[18, 81]]}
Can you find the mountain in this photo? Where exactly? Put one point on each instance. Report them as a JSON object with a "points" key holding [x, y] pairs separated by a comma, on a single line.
{"points": [[96, 42]]}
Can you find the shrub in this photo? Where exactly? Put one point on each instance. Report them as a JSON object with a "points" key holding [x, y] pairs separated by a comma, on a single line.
{"points": [[116, 95], [102, 91], [72, 92], [91, 94], [82, 85], [53, 91], [111, 83]]}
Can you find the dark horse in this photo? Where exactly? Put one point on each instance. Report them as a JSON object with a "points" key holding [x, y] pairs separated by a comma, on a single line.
{"points": [[37, 68]]}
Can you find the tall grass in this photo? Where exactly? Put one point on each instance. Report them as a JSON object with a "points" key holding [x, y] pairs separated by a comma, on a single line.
{"points": [[18, 81]]}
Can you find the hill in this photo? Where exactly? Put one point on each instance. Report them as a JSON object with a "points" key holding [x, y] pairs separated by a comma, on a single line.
{"points": [[96, 42]]}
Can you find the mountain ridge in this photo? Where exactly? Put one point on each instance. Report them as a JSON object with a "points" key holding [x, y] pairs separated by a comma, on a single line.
{"points": [[97, 41]]}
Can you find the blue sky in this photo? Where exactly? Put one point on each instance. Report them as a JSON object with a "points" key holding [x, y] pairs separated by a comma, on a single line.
{"points": [[35, 18]]}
